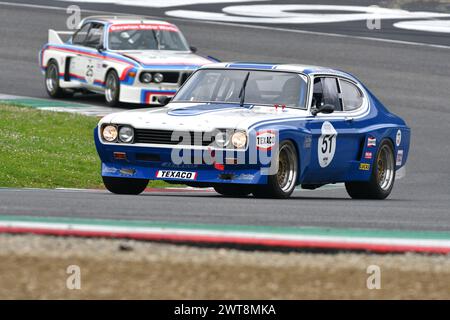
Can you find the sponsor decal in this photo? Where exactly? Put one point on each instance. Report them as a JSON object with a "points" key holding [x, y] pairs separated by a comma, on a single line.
{"points": [[245, 176], [123, 27], [398, 138], [364, 166], [307, 142], [127, 172], [371, 142], [109, 169], [368, 155], [172, 174], [399, 160], [265, 139], [326, 146]]}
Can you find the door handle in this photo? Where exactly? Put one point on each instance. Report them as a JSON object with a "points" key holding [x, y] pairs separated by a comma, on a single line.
{"points": [[349, 119]]}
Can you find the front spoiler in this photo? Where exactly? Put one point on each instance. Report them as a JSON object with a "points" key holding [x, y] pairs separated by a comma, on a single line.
{"points": [[201, 173]]}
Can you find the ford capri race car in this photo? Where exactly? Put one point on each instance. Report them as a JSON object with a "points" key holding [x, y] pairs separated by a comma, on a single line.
{"points": [[261, 129], [128, 59]]}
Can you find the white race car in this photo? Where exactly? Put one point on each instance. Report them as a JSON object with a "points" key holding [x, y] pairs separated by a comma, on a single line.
{"points": [[128, 59]]}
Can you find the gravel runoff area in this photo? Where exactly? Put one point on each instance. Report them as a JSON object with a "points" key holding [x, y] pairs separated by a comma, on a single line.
{"points": [[35, 267]]}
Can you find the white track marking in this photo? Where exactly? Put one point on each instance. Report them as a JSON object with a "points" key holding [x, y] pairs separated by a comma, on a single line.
{"points": [[425, 25], [37, 6], [157, 3], [292, 14], [248, 26]]}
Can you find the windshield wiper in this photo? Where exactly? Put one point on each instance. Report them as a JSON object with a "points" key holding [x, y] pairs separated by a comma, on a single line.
{"points": [[242, 92]]}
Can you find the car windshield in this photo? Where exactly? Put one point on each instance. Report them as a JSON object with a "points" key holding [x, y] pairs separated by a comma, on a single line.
{"points": [[262, 87], [146, 37]]}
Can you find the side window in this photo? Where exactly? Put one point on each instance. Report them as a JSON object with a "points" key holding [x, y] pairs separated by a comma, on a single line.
{"points": [[351, 96], [80, 35], [326, 92], [94, 36]]}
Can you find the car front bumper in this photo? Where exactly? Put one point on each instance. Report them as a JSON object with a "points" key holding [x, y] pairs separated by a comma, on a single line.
{"points": [[142, 162], [145, 95]]}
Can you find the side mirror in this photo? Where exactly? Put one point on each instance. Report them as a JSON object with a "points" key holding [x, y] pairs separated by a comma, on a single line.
{"points": [[193, 49], [326, 108], [164, 100], [100, 48]]}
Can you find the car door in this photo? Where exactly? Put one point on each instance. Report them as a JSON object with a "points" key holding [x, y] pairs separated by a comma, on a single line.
{"points": [[333, 146], [77, 60], [92, 64], [87, 64]]}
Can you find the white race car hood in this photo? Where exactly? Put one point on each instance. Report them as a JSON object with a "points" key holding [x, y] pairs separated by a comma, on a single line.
{"points": [[167, 57], [201, 117]]}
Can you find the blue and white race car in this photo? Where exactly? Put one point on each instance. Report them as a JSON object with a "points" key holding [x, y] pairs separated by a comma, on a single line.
{"points": [[128, 59], [261, 129]]}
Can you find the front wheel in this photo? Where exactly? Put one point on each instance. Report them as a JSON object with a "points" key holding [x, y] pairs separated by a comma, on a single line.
{"points": [[125, 185], [381, 179], [112, 89], [282, 184], [233, 190]]}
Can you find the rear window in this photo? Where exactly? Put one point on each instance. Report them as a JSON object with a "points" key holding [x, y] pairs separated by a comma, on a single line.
{"points": [[351, 96]]}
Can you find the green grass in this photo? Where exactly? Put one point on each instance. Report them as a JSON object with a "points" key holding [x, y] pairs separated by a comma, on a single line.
{"points": [[45, 149]]}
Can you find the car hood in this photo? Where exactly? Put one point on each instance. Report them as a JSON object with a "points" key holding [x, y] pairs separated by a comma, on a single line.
{"points": [[201, 117], [158, 57]]}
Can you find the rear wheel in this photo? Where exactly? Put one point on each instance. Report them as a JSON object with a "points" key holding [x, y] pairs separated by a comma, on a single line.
{"points": [[52, 81], [112, 89], [125, 185], [282, 184], [382, 177], [233, 190]]}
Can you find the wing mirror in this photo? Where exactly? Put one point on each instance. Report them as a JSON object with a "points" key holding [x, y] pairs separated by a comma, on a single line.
{"points": [[326, 108], [100, 48], [193, 49], [164, 100]]}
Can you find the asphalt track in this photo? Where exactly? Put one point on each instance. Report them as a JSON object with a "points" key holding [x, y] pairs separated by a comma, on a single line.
{"points": [[412, 80]]}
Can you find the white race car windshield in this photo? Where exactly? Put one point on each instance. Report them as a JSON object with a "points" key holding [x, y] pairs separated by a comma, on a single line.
{"points": [[261, 87], [146, 37]]}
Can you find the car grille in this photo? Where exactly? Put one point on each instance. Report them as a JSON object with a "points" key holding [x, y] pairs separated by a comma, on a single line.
{"points": [[153, 136], [184, 77], [172, 76]]}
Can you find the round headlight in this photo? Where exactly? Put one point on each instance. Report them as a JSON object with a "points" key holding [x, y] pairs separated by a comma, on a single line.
{"points": [[146, 77], [158, 77], [126, 134], [239, 139], [109, 133], [222, 139]]}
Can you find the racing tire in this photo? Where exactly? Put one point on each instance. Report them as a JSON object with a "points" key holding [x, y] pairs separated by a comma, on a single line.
{"points": [[282, 184], [112, 89], [125, 185], [52, 82], [233, 190], [382, 176]]}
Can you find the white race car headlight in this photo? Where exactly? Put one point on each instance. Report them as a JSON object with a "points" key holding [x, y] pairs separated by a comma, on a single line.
{"points": [[109, 133], [158, 77], [126, 134], [146, 77], [239, 139], [222, 139]]}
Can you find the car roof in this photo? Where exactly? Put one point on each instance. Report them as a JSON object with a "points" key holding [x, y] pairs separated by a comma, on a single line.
{"points": [[119, 19], [302, 68]]}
